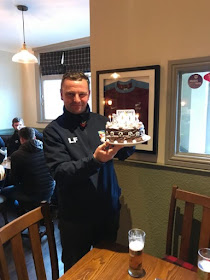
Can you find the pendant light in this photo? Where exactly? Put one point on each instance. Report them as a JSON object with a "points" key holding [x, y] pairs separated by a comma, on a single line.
{"points": [[24, 56]]}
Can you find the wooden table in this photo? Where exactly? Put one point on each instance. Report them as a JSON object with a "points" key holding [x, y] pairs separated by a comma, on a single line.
{"points": [[112, 264]]}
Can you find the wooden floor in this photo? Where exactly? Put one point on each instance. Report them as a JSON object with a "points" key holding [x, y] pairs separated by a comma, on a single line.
{"points": [[29, 259]]}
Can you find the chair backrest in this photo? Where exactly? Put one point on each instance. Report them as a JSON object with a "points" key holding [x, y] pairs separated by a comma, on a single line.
{"points": [[190, 200], [12, 232]]}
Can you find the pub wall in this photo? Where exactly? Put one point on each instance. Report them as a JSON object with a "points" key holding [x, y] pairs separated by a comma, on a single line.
{"points": [[10, 90]]}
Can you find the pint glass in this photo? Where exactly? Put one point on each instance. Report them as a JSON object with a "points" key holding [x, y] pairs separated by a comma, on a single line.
{"points": [[204, 264], [136, 239]]}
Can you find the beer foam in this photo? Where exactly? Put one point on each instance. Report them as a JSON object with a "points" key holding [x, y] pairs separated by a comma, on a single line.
{"points": [[204, 265], [136, 245]]}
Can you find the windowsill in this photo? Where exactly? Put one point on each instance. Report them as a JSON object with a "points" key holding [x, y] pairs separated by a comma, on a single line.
{"points": [[44, 121]]}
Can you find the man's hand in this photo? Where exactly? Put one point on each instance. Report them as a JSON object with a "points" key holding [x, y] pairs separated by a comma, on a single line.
{"points": [[106, 152]]}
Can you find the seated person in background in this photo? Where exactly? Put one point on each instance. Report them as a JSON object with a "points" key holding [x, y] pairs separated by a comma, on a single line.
{"points": [[2, 144], [29, 172], [13, 142]]}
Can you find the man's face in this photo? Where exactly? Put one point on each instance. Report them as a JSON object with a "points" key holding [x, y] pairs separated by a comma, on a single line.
{"points": [[17, 125], [75, 95]]}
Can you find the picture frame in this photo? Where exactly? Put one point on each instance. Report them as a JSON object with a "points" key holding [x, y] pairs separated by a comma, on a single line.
{"points": [[132, 88]]}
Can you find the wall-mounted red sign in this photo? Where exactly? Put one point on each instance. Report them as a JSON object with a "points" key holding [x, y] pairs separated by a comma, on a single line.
{"points": [[195, 81], [207, 77]]}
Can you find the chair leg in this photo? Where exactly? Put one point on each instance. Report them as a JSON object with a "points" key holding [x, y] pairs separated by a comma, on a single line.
{"points": [[41, 233], [3, 208], [4, 214], [23, 208], [44, 232]]}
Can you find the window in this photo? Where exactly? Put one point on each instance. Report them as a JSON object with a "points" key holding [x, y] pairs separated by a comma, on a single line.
{"points": [[188, 113], [52, 105]]}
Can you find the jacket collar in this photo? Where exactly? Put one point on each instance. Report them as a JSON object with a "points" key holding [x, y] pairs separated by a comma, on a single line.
{"points": [[80, 119]]}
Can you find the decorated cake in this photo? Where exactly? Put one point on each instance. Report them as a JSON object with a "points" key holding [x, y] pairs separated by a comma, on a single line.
{"points": [[124, 127]]}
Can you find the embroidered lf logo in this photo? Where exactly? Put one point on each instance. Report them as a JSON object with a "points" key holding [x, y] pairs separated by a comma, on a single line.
{"points": [[74, 140]]}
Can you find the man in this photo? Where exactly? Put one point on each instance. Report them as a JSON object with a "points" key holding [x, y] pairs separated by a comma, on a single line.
{"points": [[88, 192], [29, 172], [13, 142]]}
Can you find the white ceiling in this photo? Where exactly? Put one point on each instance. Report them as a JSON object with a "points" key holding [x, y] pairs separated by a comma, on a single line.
{"points": [[46, 22]]}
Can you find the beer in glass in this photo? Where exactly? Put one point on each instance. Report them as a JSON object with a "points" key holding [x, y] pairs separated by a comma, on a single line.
{"points": [[136, 238], [204, 264]]}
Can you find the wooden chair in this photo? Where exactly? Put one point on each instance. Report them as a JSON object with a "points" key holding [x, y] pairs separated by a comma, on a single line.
{"points": [[12, 232], [188, 225]]}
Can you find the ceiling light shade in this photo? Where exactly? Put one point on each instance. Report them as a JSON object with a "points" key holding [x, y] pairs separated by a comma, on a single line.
{"points": [[24, 56]]}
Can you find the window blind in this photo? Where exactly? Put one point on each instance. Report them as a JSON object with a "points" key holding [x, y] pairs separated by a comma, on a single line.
{"points": [[59, 62]]}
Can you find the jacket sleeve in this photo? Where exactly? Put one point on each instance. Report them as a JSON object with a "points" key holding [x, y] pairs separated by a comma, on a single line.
{"points": [[15, 175], [60, 162], [2, 144], [38, 134], [11, 146], [125, 152]]}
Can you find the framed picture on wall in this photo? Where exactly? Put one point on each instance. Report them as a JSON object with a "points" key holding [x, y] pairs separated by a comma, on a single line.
{"points": [[132, 88]]}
